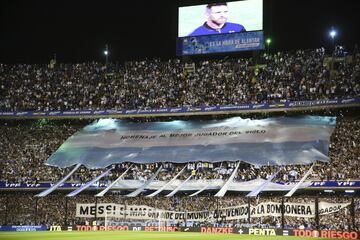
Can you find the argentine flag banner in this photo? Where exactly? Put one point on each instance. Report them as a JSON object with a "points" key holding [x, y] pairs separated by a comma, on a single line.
{"points": [[271, 141]]}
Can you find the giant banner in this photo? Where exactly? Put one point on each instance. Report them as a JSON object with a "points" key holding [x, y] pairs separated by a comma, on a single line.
{"points": [[272, 141], [142, 212]]}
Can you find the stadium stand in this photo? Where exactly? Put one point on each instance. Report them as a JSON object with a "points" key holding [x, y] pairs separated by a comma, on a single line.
{"points": [[300, 75], [27, 145], [150, 84]]}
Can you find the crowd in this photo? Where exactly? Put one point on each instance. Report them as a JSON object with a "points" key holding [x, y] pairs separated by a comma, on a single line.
{"points": [[57, 209], [299, 75], [26, 145], [302, 75]]}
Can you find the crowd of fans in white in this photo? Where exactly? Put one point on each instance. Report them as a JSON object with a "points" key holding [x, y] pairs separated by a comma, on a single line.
{"points": [[300, 75], [51, 210], [26, 144]]}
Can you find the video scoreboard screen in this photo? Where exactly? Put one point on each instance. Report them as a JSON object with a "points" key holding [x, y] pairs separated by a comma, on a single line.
{"points": [[220, 27]]}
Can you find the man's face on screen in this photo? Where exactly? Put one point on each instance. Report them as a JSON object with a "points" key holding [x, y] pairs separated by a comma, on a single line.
{"points": [[218, 14]]}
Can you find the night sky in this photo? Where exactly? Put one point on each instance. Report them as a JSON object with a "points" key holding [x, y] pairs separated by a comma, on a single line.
{"points": [[31, 31]]}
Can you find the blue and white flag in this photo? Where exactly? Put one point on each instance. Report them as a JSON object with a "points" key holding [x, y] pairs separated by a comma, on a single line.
{"points": [[272, 141]]}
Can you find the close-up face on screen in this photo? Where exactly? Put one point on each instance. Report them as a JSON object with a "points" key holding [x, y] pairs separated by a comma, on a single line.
{"points": [[220, 18]]}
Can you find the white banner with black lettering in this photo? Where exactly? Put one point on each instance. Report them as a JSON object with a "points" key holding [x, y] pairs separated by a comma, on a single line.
{"points": [[142, 212]]}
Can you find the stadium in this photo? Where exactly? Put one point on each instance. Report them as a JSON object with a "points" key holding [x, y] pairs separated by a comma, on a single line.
{"points": [[208, 131]]}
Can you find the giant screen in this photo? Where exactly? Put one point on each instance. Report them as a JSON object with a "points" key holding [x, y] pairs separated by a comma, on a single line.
{"points": [[220, 27]]}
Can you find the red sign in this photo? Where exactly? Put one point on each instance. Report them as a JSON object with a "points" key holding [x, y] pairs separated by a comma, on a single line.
{"points": [[224, 230], [326, 234], [164, 229], [101, 228]]}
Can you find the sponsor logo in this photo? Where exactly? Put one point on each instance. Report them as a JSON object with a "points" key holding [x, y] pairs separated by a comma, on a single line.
{"points": [[234, 107], [101, 228], [7, 114], [175, 109], [263, 232], [277, 105], [55, 228], [77, 184], [130, 111], [21, 113], [318, 184], [83, 112], [193, 109], [99, 112], [23, 228], [39, 113], [153, 110], [146, 111], [54, 113], [216, 230], [68, 113], [326, 234], [164, 229], [348, 100], [114, 111], [347, 183], [312, 103], [12, 185], [32, 185], [334, 184], [210, 108], [258, 106]]}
